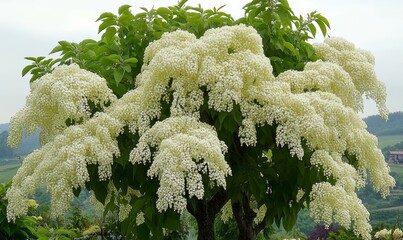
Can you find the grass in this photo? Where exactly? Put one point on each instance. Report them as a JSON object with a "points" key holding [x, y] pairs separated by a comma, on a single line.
{"points": [[397, 169], [8, 170], [389, 140]]}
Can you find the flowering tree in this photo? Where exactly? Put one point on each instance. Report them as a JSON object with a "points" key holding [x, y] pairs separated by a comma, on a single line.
{"points": [[182, 108]]}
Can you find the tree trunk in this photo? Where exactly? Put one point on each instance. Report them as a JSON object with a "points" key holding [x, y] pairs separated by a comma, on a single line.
{"points": [[205, 212], [205, 226], [244, 221], [244, 217]]}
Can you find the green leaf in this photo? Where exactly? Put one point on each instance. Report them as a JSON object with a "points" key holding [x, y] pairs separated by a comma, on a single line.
{"points": [[56, 49], [106, 15], [30, 59], [143, 232], [275, 59], [131, 60], [109, 34], [123, 8], [322, 19], [322, 26], [114, 58], [221, 118], [171, 220], [127, 68], [66, 45], [289, 221], [105, 24], [289, 46], [118, 75], [312, 28], [90, 54], [164, 11], [27, 69]]}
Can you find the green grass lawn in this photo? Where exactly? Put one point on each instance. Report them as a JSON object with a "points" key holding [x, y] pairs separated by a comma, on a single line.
{"points": [[8, 170], [389, 140]]}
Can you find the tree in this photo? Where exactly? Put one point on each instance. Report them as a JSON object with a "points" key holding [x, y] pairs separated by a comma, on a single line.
{"points": [[182, 108]]}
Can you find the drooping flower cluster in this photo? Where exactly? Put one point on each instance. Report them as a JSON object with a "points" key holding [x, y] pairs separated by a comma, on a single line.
{"points": [[61, 96], [332, 203], [383, 234], [62, 164], [185, 149], [397, 234], [359, 64], [326, 77]]}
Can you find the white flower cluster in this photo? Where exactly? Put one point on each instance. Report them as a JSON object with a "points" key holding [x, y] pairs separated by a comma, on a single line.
{"points": [[383, 234], [226, 212], [330, 203], [62, 163], [359, 64], [186, 148], [57, 97], [397, 234], [140, 218], [326, 77]]}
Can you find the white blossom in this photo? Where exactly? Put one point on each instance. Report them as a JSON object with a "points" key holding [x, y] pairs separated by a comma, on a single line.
{"points": [[186, 149], [359, 64], [57, 97]]}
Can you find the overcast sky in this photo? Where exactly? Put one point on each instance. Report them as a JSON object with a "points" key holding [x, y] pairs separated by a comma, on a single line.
{"points": [[33, 28]]}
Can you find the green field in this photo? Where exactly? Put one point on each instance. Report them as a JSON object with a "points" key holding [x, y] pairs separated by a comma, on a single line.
{"points": [[389, 140], [8, 170], [397, 169]]}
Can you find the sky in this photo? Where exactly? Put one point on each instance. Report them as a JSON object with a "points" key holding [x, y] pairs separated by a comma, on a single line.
{"points": [[33, 28]]}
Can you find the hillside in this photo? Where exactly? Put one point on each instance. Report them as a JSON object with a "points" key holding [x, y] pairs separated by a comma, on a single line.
{"points": [[380, 127], [3, 127], [29, 143]]}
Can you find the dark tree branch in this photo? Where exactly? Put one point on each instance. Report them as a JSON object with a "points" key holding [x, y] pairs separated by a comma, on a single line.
{"points": [[244, 222], [249, 213], [190, 208], [258, 228], [217, 202]]}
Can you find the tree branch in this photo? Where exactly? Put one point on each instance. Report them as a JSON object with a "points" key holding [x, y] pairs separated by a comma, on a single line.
{"points": [[217, 202]]}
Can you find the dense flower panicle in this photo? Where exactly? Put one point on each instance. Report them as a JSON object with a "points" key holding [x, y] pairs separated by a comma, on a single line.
{"points": [[332, 203], [226, 212], [360, 66], [94, 229], [333, 165], [140, 218], [186, 149], [326, 77], [57, 97], [383, 234], [62, 164], [397, 234], [178, 66]]}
